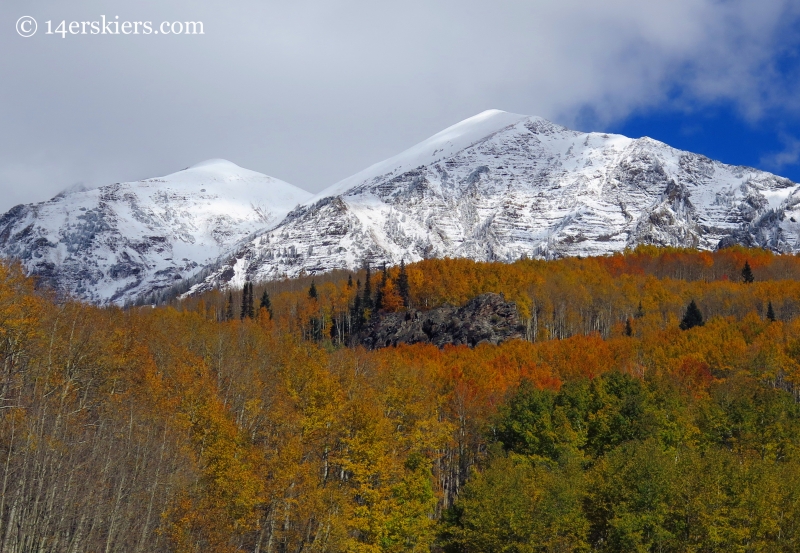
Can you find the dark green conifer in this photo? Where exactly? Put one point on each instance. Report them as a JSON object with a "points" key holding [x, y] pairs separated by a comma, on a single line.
{"points": [[770, 312], [692, 318], [747, 273], [312, 292], [628, 328], [247, 301], [266, 303], [379, 291], [229, 308], [357, 314], [366, 300]]}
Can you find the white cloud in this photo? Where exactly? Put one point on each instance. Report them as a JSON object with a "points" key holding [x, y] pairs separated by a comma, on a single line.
{"points": [[311, 91], [789, 155]]}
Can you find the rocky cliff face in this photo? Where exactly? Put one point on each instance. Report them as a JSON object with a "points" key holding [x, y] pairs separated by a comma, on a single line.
{"points": [[501, 186], [486, 319]]}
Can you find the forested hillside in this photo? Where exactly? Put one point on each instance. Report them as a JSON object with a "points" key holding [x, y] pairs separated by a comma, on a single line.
{"points": [[626, 421]]}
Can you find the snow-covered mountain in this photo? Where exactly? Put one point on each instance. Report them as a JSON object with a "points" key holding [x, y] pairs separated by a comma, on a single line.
{"points": [[120, 242], [499, 186]]}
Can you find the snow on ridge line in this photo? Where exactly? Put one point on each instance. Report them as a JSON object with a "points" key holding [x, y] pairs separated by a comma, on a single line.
{"points": [[119, 242], [447, 142], [500, 186], [214, 162]]}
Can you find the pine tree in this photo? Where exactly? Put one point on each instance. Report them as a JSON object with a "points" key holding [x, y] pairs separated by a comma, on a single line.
{"points": [[251, 310], [349, 281], [628, 328], [266, 303], [747, 273], [312, 292], [366, 301], [770, 312], [358, 313], [639, 311], [379, 291], [229, 307], [248, 309], [334, 332], [402, 284], [692, 318]]}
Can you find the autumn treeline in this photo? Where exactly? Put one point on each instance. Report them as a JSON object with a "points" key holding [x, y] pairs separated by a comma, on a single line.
{"points": [[168, 429], [649, 286]]}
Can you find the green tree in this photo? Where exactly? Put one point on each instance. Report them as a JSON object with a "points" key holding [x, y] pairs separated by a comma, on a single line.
{"points": [[512, 506], [770, 312], [692, 318], [251, 311], [366, 300], [266, 303], [228, 316], [312, 291], [630, 492], [747, 273]]}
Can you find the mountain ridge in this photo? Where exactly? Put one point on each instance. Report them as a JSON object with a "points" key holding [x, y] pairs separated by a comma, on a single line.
{"points": [[502, 186], [116, 243], [497, 186]]}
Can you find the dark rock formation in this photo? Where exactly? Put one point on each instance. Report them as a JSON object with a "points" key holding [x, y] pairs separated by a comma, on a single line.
{"points": [[486, 318]]}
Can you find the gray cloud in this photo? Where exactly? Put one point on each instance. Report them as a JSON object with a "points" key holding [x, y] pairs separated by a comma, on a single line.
{"points": [[312, 91]]}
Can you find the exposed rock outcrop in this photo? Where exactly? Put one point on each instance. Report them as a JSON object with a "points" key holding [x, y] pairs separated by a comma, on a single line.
{"points": [[487, 318]]}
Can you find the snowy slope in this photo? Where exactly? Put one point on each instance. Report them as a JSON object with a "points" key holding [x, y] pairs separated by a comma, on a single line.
{"points": [[499, 186], [119, 242]]}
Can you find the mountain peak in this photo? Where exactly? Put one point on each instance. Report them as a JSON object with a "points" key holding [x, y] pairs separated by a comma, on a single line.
{"points": [[119, 242], [215, 163], [500, 186], [439, 146]]}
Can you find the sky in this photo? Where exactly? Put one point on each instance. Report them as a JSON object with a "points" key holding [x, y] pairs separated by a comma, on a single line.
{"points": [[313, 91]]}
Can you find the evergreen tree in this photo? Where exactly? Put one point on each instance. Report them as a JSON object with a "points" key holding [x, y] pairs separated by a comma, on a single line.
{"points": [[770, 312], [747, 273], [243, 309], [334, 332], [366, 301], [312, 292], [358, 314], [379, 291], [639, 311], [349, 281], [266, 303], [229, 307], [248, 309], [692, 318], [628, 328], [402, 284], [251, 310]]}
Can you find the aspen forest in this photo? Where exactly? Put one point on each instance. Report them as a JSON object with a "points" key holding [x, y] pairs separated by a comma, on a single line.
{"points": [[652, 406]]}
